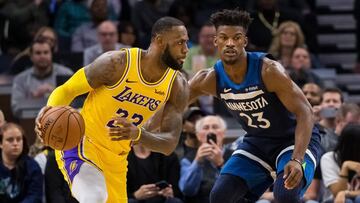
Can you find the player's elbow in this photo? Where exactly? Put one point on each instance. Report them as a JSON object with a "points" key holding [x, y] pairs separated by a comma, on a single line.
{"points": [[170, 149], [170, 146], [305, 113]]}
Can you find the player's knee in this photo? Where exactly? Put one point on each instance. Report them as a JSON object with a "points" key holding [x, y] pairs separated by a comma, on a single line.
{"points": [[228, 188], [283, 195], [83, 188], [97, 195]]}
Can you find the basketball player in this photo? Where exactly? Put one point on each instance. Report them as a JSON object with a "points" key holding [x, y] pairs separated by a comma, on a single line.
{"points": [[125, 88], [270, 107]]}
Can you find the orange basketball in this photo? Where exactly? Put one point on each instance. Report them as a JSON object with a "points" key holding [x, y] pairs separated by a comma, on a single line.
{"points": [[62, 127]]}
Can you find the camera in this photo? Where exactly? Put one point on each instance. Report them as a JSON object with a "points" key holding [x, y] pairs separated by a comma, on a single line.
{"points": [[211, 136]]}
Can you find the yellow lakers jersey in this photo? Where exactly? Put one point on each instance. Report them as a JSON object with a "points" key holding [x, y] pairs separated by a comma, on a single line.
{"points": [[131, 97]]}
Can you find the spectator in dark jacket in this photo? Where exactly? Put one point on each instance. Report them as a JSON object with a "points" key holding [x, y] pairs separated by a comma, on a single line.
{"points": [[145, 169], [21, 179]]}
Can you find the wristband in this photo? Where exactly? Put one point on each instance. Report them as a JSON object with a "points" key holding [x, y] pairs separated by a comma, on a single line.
{"points": [[297, 160], [139, 135]]}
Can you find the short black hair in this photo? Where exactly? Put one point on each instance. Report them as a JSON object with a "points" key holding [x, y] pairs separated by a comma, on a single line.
{"points": [[233, 17], [165, 24]]}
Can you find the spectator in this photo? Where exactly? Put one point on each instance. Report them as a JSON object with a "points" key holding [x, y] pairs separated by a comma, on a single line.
{"points": [[340, 168], [21, 19], [200, 57], [85, 35], [56, 188], [347, 113], [147, 168], [184, 10], [108, 41], [287, 38], [331, 100], [39, 152], [312, 93], [20, 176], [144, 14], [22, 60], [300, 68], [188, 141], [200, 168], [127, 34], [2, 119], [70, 16], [267, 17], [119, 9], [35, 84], [203, 55]]}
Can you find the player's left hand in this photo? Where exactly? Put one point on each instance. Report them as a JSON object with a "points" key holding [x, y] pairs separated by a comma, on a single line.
{"points": [[293, 174], [123, 130]]}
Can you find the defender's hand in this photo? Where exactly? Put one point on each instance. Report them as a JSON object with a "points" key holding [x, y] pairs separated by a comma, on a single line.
{"points": [[123, 130], [38, 119], [293, 174]]}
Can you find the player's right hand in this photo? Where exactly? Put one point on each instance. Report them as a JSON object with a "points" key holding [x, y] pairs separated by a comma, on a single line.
{"points": [[38, 123], [293, 174]]}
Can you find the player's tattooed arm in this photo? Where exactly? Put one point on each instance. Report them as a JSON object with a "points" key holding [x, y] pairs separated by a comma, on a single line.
{"points": [[171, 122], [107, 69], [203, 83]]}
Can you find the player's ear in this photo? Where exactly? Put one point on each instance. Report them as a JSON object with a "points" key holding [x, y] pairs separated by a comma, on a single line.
{"points": [[245, 41], [159, 38]]}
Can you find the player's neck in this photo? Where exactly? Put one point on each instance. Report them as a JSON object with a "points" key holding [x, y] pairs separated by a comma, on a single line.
{"points": [[237, 71], [151, 67]]}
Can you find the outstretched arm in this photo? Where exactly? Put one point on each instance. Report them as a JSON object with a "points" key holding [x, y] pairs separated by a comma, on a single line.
{"points": [[105, 70], [203, 83], [277, 81]]}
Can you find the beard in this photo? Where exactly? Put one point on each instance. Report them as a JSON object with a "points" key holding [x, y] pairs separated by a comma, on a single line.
{"points": [[168, 59]]}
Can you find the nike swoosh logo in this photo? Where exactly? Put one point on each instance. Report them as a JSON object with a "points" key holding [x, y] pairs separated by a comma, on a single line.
{"points": [[227, 90], [130, 81]]}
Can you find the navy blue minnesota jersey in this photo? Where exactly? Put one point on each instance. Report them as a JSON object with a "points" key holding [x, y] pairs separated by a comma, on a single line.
{"points": [[260, 112]]}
